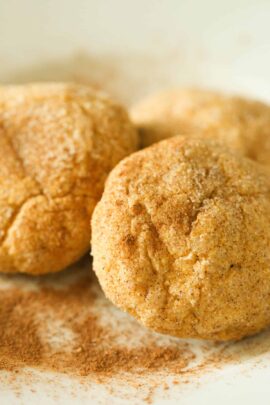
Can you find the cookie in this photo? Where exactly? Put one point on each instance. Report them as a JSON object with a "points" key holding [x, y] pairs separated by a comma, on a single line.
{"points": [[242, 124], [58, 142], [181, 240]]}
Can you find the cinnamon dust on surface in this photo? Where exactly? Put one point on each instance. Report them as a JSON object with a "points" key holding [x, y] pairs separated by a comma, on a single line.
{"points": [[62, 323], [60, 329]]}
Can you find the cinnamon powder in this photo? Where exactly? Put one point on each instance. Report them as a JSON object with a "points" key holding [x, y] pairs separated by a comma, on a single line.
{"points": [[94, 347], [20, 343], [63, 323]]}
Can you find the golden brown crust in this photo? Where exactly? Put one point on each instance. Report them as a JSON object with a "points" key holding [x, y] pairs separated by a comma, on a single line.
{"points": [[58, 142], [181, 240], [241, 124]]}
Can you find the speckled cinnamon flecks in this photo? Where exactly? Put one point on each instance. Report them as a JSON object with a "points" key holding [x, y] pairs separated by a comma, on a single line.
{"points": [[58, 142], [242, 124], [181, 240]]}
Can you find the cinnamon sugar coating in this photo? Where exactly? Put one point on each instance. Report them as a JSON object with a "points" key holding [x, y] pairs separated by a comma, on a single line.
{"points": [[58, 142], [181, 240], [240, 123]]}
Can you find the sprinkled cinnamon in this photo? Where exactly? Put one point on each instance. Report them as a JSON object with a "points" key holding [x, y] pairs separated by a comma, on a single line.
{"points": [[63, 323], [93, 348]]}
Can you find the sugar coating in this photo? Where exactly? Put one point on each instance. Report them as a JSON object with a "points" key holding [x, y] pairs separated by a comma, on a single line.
{"points": [[181, 240], [58, 142], [241, 124]]}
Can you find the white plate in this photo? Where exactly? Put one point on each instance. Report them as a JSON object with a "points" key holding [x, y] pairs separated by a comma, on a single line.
{"points": [[132, 48]]}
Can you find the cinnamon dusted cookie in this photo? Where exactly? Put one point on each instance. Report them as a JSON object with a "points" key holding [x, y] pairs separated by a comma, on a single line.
{"points": [[240, 123], [58, 142], [181, 240]]}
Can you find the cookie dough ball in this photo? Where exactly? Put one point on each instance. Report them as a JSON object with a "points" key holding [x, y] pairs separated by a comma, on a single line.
{"points": [[242, 124], [58, 142], [181, 240]]}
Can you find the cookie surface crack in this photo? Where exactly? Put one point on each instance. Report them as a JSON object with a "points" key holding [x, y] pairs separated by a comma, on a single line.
{"points": [[14, 217], [170, 257]]}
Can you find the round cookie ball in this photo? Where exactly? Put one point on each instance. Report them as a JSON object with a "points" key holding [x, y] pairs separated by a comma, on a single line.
{"points": [[181, 240], [241, 124], [58, 142]]}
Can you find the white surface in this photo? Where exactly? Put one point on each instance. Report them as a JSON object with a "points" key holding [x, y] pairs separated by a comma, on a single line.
{"points": [[219, 43], [151, 44]]}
